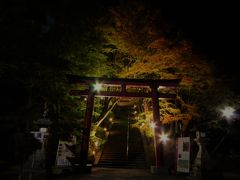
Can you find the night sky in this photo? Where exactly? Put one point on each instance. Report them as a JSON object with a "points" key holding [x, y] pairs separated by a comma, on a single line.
{"points": [[212, 28]]}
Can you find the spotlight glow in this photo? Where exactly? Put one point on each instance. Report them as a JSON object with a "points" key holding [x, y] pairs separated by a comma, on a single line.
{"points": [[161, 87], [152, 125], [228, 112], [97, 87], [163, 137]]}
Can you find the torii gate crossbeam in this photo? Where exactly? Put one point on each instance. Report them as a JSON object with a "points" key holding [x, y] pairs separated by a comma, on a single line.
{"points": [[153, 85]]}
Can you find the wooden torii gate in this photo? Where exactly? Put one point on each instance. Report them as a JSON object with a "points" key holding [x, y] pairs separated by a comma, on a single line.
{"points": [[122, 91]]}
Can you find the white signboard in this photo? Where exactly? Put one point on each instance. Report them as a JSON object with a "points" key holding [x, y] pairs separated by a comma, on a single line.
{"points": [[63, 152], [183, 154]]}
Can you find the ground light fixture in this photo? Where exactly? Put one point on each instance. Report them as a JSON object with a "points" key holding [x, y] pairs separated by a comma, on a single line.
{"points": [[111, 120]]}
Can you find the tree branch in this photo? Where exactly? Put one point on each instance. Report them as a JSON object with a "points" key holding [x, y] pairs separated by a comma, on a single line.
{"points": [[107, 112]]}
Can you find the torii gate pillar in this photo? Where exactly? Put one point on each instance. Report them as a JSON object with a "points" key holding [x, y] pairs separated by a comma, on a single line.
{"points": [[86, 131]]}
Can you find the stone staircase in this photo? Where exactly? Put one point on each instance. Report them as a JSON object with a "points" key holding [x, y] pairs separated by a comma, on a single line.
{"points": [[136, 156], [115, 154]]}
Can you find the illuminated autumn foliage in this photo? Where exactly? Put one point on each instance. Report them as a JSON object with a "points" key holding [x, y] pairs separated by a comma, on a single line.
{"points": [[139, 48]]}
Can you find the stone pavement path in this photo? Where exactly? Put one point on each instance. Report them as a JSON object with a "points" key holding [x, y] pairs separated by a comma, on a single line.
{"points": [[120, 174]]}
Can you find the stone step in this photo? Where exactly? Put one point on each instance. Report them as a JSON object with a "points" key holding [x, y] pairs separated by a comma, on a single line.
{"points": [[122, 165]]}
